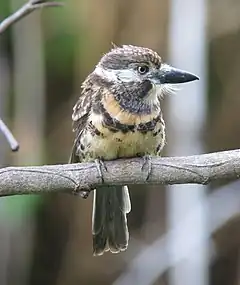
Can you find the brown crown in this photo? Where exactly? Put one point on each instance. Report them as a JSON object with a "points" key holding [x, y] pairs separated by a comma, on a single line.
{"points": [[121, 57]]}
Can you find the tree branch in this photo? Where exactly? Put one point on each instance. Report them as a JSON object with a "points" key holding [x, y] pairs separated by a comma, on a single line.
{"points": [[9, 136], [74, 178], [26, 9]]}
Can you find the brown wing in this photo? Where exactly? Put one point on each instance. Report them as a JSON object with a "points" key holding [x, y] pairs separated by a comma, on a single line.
{"points": [[80, 114]]}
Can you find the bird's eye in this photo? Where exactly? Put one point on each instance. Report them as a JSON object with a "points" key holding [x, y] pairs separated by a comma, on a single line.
{"points": [[143, 69]]}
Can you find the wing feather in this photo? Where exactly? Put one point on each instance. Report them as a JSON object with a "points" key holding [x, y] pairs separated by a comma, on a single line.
{"points": [[81, 111]]}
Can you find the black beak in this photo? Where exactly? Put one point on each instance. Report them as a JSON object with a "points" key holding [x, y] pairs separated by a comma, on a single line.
{"points": [[171, 75]]}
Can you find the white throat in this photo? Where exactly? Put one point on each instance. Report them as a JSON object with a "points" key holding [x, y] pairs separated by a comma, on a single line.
{"points": [[153, 95]]}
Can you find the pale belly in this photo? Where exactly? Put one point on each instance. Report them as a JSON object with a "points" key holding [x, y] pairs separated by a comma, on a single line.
{"points": [[123, 145]]}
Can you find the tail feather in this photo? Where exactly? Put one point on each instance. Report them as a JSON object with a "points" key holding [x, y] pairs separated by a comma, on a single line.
{"points": [[110, 207]]}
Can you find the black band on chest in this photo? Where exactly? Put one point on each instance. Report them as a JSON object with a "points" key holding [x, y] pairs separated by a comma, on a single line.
{"points": [[94, 130], [115, 126]]}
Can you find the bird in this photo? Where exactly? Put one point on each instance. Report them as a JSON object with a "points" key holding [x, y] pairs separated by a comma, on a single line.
{"points": [[118, 115]]}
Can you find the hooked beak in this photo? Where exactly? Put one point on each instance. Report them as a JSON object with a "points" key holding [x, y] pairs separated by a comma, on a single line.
{"points": [[171, 75]]}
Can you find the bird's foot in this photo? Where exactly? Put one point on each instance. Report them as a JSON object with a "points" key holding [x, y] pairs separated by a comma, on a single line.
{"points": [[100, 164], [148, 164], [82, 192]]}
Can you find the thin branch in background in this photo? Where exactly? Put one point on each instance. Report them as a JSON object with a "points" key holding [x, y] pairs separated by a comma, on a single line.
{"points": [[14, 145], [9, 136], [26, 9]]}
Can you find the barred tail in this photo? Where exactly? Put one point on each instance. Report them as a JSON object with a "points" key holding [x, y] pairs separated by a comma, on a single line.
{"points": [[109, 222]]}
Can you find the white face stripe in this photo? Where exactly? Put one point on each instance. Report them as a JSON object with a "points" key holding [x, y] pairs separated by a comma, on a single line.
{"points": [[124, 75], [127, 75], [106, 73]]}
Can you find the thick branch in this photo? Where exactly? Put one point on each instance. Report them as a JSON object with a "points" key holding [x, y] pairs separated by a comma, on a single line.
{"points": [[69, 178]]}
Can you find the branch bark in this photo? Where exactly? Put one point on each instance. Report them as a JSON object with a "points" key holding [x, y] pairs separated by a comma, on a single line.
{"points": [[79, 177]]}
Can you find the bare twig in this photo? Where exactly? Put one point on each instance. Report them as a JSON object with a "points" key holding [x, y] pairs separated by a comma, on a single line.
{"points": [[201, 169], [26, 9], [9, 136]]}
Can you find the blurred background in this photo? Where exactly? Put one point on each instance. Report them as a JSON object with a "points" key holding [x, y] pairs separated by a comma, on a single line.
{"points": [[184, 234]]}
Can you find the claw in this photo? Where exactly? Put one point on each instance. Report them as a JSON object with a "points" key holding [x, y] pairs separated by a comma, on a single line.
{"points": [[83, 193], [100, 164], [147, 162]]}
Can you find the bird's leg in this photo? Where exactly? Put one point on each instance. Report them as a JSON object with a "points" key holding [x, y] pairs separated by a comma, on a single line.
{"points": [[147, 162], [100, 164], [84, 193]]}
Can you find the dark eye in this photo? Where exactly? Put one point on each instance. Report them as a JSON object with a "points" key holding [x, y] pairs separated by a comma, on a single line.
{"points": [[143, 69]]}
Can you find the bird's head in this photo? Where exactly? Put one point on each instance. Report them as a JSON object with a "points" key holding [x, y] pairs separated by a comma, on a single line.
{"points": [[137, 76]]}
